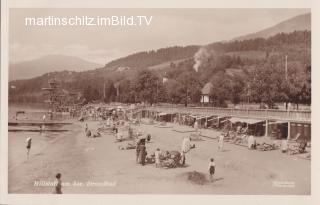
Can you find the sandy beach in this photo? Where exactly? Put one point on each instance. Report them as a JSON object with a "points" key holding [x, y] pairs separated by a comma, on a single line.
{"points": [[98, 166]]}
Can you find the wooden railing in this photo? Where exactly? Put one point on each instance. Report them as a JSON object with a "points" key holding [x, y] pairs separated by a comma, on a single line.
{"points": [[288, 115]]}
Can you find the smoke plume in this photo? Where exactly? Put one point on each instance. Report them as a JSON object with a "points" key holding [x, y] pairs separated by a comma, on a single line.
{"points": [[201, 56]]}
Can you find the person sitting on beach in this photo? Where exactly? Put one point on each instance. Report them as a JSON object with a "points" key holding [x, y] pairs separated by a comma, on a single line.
{"points": [[211, 168], [114, 128], [58, 187], [239, 129], [302, 146], [244, 130], [96, 134], [119, 136], [28, 141]]}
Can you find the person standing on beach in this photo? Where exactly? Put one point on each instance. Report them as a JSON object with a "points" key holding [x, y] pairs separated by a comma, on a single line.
{"points": [[28, 141], [211, 169], [157, 154], [183, 158], [186, 144], [44, 117], [130, 132], [88, 133], [196, 126], [251, 142], [143, 154], [220, 142], [138, 151], [86, 129], [284, 146], [42, 128], [58, 187]]}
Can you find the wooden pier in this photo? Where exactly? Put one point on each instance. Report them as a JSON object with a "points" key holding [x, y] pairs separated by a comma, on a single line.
{"points": [[37, 123], [296, 121]]}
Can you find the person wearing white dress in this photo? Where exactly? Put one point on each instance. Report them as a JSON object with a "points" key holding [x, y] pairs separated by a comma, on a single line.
{"points": [[220, 142], [157, 154], [186, 144]]}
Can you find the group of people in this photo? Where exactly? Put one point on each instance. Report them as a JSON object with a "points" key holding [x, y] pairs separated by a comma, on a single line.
{"points": [[299, 148]]}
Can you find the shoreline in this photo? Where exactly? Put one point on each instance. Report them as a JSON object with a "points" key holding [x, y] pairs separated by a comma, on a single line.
{"points": [[99, 160]]}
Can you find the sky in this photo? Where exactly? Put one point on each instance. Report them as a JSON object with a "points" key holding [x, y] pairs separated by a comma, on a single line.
{"points": [[169, 27]]}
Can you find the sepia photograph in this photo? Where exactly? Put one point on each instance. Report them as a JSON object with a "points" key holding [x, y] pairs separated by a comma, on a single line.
{"points": [[196, 101]]}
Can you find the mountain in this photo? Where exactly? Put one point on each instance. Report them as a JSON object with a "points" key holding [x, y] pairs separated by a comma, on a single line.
{"points": [[297, 23], [152, 58], [47, 64]]}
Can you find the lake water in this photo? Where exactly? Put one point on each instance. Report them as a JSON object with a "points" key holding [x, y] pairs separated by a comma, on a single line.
{"points": [[17, 151]]}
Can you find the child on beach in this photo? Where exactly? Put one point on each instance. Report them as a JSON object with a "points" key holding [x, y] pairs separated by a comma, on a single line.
{"points": [[58, 187], [157, 154], [211, 169], [28, 141]]}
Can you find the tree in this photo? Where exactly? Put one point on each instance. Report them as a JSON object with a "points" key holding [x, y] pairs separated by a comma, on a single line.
{"points": [[266, 81], [220, 89], [110, 92], [146, 86], [236, 88], [173, 93], [189, 87]]}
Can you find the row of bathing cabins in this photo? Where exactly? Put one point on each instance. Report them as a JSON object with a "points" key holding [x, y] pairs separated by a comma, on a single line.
{"points": [[278, 124]]}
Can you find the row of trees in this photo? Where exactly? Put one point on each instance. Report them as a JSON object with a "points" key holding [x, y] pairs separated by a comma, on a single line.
{"points": [[267, 83]]}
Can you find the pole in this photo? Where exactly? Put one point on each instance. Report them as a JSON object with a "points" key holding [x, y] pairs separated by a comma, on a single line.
{"points": [[266, 128], [104, 90], [289, 131], [286, 67], [157, 93]]}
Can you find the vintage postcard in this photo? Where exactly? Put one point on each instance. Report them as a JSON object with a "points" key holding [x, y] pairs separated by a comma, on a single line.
{"points": [[194, 104]]}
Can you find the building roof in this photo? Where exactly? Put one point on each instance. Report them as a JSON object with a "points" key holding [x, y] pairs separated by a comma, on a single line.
{"points": [[245, 120], [206, 88]]}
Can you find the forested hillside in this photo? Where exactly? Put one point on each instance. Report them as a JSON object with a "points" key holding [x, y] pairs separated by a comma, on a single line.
{"points": [[248, 70], [154, 57]]}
